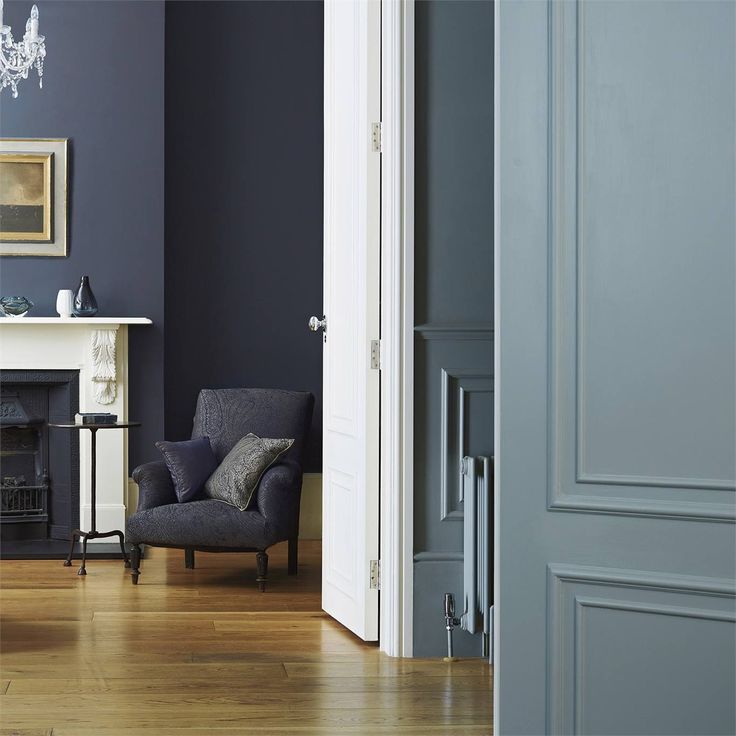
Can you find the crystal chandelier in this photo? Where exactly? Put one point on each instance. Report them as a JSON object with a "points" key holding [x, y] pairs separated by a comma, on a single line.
{"points": [[18, 57]]}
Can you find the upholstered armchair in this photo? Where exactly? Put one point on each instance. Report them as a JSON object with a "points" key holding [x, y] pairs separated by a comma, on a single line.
{"points": [[225, 416]]}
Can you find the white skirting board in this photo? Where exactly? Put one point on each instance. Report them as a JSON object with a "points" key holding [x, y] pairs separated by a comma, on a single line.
{"points": [[310, 520]]}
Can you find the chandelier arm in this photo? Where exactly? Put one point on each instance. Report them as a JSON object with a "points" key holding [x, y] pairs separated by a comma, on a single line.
{"points": [[5, 64]]}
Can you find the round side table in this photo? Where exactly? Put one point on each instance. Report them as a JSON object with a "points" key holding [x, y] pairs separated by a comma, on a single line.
{"points": [[93, 533]]}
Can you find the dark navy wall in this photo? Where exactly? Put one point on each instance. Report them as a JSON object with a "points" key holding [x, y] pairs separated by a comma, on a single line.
{"points": [[103, 89], [243, 213], [243, 201]]}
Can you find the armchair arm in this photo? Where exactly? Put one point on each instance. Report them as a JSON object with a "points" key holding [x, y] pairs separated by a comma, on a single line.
{"points": [[279, 494], [155, 487]]}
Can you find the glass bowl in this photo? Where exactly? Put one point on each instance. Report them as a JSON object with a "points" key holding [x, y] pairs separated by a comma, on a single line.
{"points": [[15, 306]]}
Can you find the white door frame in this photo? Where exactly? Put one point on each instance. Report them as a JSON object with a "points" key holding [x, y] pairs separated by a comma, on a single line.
{"points": [[397, 328]]}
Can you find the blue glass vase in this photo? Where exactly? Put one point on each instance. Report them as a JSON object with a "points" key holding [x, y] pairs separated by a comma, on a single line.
{"points": [[85, 304]]}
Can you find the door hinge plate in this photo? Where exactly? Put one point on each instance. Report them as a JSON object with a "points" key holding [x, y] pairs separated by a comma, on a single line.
{"points": [[376, 137], [376, 355], [375, 575]]}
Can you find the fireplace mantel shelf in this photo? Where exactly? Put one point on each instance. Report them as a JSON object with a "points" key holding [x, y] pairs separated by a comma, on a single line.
{"points": [[99, 321]]}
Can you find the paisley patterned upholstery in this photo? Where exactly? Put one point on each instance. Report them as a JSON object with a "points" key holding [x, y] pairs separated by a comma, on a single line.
{"points": [[226, 415], [237, 478]]}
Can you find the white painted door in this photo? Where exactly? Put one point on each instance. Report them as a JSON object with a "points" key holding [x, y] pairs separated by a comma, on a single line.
{"points": [[351, 307]]}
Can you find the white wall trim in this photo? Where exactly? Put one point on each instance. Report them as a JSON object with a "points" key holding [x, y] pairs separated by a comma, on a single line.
{"points": [[397, 327], [497, 465], [407, 370]]}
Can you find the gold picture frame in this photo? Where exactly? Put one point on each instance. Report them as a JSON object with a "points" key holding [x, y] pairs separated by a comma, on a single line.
{"points": [[33, 197]]}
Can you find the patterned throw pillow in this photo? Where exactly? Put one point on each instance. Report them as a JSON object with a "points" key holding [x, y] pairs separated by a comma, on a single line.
{"points": [[238, 475]]}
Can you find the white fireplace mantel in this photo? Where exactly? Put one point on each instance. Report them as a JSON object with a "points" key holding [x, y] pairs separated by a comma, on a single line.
{"points": [[25, 321], [98, 348]]}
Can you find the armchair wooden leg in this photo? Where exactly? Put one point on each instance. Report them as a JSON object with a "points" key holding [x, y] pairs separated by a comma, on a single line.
{"points": [[293, 555], [135, 563], [262, 563], [189, 558]]}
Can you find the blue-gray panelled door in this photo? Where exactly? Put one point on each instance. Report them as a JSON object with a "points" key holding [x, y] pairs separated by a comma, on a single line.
{"points": [[615, 376]]}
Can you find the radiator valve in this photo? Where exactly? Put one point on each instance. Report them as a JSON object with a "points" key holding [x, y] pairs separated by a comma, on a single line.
{"points": [[450, 623]]}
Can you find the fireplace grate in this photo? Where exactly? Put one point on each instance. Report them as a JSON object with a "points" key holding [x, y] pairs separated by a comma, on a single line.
{"points": [[18, 503]]}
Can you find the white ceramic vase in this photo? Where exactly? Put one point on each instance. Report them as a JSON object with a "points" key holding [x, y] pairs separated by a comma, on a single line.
{"points": [[65, 302]]}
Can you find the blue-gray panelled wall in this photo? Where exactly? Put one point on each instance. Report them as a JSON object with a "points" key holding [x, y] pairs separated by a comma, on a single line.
{"points": [[453, 295]]}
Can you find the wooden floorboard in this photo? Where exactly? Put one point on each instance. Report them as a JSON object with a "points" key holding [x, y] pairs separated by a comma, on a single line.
{"points": [[202, 652]]}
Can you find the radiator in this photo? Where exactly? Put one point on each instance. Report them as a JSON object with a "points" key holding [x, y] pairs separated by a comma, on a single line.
{"points": [[477, 485]]}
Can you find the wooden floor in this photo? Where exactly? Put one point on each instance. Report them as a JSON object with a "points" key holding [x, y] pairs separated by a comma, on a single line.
{"points": [[201, 652]]}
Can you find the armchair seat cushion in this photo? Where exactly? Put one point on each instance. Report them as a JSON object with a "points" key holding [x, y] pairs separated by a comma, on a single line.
{"points": [[207, 523]]}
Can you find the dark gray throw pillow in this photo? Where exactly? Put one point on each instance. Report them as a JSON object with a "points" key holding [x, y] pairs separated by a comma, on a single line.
{"points": [[238, 475], [190, 463]]}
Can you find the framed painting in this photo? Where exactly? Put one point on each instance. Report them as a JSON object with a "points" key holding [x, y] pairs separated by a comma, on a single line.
{"points": [[33, 197]]}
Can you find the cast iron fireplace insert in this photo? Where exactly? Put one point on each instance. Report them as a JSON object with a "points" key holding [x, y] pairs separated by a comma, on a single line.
{"points": [[39, 470]]}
